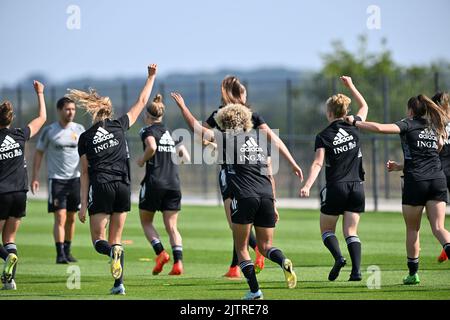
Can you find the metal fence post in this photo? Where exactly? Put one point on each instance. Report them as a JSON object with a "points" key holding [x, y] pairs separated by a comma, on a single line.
{"points": [[124, 98], [386, 119], [19, 106], [52, 103], [290, 129], [436, 81], [374, 173], [202, 99]]}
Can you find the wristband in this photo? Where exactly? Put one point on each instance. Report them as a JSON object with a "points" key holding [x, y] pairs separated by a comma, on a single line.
{"points": [[354, 122]]}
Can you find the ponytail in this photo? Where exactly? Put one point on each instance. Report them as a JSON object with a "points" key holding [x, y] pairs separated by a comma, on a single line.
{"points": [[99, 107], [436, 117]]}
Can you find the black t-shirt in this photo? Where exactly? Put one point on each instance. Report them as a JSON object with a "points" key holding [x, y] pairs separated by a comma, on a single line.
{"points": [[420, 150], [248, 172], [160, 171], [445, 153], [257, 121], [106, 149], [343, 156], [13, 166]]}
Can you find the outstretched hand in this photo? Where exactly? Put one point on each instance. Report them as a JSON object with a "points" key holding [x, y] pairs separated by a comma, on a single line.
{"points": [[347, 81], [178, 99], [38, 87], [152, 69], [393, 166], [298, 172]]}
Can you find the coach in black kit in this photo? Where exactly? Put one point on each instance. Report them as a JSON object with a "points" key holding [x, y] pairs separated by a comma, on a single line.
{"points": [[105, 172], [14, 180], [339, 145]]}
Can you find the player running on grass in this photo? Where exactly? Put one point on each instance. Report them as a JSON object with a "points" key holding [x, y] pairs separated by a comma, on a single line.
{"points": [[339, 145], [105, 172], [251, 187], [14, 180], [422, 134], [442, 100], [234, 92], [60, 140], [160, 188]]}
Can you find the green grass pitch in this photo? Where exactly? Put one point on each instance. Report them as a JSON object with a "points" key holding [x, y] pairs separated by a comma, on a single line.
{"points": [[207, 252]]}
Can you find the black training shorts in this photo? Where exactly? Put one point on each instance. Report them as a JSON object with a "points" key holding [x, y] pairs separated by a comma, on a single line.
{"points": [[64, 194], [257, 211], [337, 198], [13, 204], [109, 197], [418, 193], [151, 199]]}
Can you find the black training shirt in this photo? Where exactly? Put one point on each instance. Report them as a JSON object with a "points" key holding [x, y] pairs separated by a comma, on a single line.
{"points": [[13, 167], [106, 149], [420, 150], [160, 171], [247, 173], [343, 157]]}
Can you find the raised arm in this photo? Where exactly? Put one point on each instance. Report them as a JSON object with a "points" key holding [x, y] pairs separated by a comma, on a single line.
{"points": [[363, 108], [141, 102], [37, 160], [194, 125], [150, 149], [279, 144], [36, 124], [389, 128], [316, 166]]}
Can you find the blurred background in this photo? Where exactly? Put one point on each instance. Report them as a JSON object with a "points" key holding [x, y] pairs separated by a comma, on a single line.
{"points": [[288, 54]]}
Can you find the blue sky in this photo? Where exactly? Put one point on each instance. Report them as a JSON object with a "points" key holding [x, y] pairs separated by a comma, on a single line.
{"points": [[119, 38]]}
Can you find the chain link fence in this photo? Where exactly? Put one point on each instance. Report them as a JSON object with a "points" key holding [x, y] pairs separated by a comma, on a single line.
{"points": [[294, 106]]}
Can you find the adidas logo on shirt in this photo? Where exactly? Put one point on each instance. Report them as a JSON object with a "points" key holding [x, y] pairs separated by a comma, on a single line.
{"points": [[427, 134], [102, 135], [342, 137], [9, 149], [8, 144], [429, 139], [167, 139], [251, 146]]}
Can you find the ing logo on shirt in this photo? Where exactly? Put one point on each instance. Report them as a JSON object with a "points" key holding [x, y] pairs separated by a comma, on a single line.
{"points": [[107, 138], [166, 143], [9, 149], [340, 138], [427, 139]]}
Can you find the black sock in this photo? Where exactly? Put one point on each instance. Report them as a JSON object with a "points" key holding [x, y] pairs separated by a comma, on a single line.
{"points": [[157, 246], [67, 245], [248, 269], [413, 265], [354, 248], [234, 261], [177, 253], [59, 249], [331, 242], [103, 247], [276, 255], [447, 249], [252, 240], [12, 248], [3, 253], [119, 281]]}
